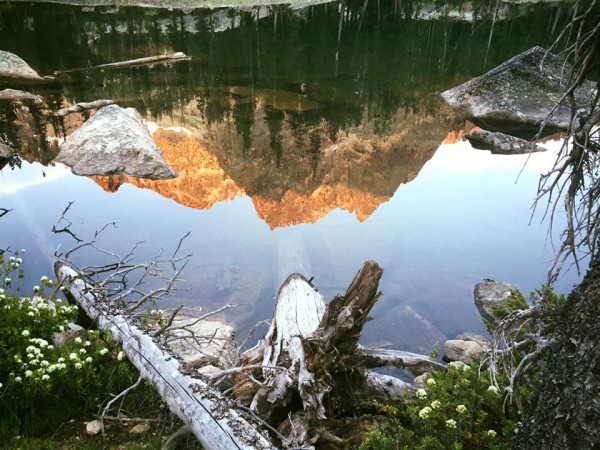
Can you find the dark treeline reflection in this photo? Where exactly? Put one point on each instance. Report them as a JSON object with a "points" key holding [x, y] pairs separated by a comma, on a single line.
{"points": [[332, 61]]}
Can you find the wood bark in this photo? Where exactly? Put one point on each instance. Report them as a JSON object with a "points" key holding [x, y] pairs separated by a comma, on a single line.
{"points": [[209, 415], [321, 370], [565, 412], [83, 106], [166, 58]]}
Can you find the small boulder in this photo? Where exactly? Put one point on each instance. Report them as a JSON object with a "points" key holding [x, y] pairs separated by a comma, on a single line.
{"points": [[114, 142], [481, 340], [464, 351], [140, 428], [203, 342], [500, 143], [71, 332], [11, 66], [14, 95], [495, 300], [520, 94], [94, 427]]}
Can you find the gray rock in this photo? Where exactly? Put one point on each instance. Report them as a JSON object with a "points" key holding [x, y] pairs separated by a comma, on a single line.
{"points": [[465, 351], [94, 427], [16, 95], [71, 332], [114, 142], [11, 66], [522, 90], [501, 144], [494, 299], [203, 342], [421, 380], [5, 151], [481, 340]]}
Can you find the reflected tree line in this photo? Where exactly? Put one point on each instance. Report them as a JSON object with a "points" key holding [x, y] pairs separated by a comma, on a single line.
{"points": [[340, 62]]}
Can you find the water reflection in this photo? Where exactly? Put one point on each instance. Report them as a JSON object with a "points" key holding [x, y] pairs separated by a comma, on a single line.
{"points": [[286, 127]]}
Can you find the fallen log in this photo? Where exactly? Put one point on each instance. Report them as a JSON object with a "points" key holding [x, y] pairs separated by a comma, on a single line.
{"points": [[316, 368], [211, 417], [82, 106], [166, 58]]}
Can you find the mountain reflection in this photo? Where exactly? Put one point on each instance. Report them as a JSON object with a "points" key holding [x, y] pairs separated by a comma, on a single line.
{"points": [[294, 173]]}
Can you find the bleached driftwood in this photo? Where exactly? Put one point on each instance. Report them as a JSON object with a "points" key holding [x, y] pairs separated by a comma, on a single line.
{"points": [[82, 106], [208, 414], [317, 370], [166, 58]]}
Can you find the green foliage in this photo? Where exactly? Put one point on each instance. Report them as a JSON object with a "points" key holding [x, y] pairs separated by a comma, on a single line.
{"points": [[458, 409], [515, 302], [548, 298], [41, 385]]}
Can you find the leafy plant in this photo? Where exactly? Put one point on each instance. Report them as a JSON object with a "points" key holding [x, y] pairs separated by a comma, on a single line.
{"points": [[457, 409], [42, 385]]}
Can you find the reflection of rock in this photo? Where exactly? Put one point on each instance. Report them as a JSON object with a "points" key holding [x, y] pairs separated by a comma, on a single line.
{"points": [[11, 66], [518, 96], [500, 143], [114, 141], [201, 182], [5, 150], [22, 124]]}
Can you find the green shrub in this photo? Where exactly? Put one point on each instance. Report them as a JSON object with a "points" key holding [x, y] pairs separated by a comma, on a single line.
{"points": [[41, 385], [458, 409]]}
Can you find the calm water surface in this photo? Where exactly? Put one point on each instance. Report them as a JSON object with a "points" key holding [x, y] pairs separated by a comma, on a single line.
{"points": [[306, 140]]}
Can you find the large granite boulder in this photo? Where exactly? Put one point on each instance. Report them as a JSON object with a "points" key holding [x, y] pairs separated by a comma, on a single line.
{"points": [[114, 142], [519, 94], [11, 66], [500, 143], [495, 300]]}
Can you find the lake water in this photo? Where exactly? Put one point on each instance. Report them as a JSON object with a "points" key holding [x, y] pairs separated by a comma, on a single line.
{"points": [[305, 139]]}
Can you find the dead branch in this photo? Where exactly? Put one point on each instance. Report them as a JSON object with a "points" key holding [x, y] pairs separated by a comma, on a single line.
{"points": [[82, 106], [149, 60], [121, 395]]}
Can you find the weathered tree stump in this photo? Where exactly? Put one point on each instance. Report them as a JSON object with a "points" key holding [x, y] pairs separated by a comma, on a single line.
{"points": [[313, 367]]}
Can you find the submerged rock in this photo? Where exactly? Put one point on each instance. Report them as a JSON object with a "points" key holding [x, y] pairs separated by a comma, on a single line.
{"points": [[11, 66], [501, 144], [114, 141], [520, 94]]}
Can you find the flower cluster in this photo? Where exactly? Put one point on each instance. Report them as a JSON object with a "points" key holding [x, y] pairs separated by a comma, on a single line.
{"points": [[458, 408], [38, 379]]}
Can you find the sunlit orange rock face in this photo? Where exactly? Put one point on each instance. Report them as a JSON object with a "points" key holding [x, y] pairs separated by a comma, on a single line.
{"points": [[201, 182], [295, 208], [314, 171]]}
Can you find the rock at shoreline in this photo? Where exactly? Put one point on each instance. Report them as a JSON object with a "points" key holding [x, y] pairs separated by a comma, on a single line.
{"points": [[495, 300], [203, 344], [114, 142], [520, 93], [13, 95], [11, 66], [501, 144], [466, 348]]}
